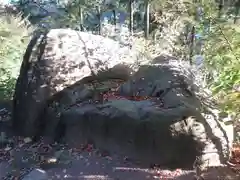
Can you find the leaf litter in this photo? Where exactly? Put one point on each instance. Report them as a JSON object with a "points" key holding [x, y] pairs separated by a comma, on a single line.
{"points": [[40, 155]]}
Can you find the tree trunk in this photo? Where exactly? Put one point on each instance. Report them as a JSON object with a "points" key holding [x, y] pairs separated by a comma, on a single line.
{"points": [[114, 20], [237, 10], [99, 20], [220, 8], [131, 17], [147, 7], [81, 18], [192, 44]]}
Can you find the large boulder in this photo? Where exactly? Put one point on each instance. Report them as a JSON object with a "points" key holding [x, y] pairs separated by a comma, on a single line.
{"points": [[55, 60], [156, 116], [84, 88]]}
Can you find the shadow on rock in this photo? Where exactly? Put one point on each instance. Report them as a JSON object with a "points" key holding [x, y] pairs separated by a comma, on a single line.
{"points": [[153, 115]]}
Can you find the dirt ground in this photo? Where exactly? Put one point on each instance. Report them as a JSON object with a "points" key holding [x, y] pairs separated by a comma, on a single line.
{"points": [[57, 161], [21, 159]]}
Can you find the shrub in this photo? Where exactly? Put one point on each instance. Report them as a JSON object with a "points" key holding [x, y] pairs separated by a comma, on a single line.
{"points": [[222, 53], [14, 36]]}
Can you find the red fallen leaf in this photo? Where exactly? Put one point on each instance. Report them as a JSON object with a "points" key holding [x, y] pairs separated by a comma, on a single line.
{"points": [[89, 148], [235, 159], [114, 95], [236, 151]]}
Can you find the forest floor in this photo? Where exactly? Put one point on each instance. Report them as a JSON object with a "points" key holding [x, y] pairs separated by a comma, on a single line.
{"points": [[22, 159]]}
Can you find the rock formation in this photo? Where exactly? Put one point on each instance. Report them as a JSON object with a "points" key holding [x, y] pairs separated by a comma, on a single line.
{"points": [[77, 87], [54, 61]]}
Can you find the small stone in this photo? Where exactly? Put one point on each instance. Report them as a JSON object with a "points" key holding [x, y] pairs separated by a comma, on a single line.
{"points": [[27, 140], [7, 149], [52, 160], [36, 174]]}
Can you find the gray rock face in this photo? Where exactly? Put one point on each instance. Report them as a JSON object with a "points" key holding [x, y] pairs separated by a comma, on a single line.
{"points": [[78, 87], [164, 125], [54, 61]]}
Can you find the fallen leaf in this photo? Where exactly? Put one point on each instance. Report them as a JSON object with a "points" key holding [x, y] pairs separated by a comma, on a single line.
{"points": [[89, 147]]}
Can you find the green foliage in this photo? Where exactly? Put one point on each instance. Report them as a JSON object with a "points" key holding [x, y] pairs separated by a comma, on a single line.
{"points": [[14, 36], [222, 52], [221, 44], [7, 83], [222, 56]]}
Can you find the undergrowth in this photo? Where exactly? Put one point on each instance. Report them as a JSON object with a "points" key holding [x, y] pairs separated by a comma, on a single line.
{"points": [[14, 36]]}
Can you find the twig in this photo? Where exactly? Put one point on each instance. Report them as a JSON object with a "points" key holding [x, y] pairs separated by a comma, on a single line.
{"points": [[229, 44]]}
